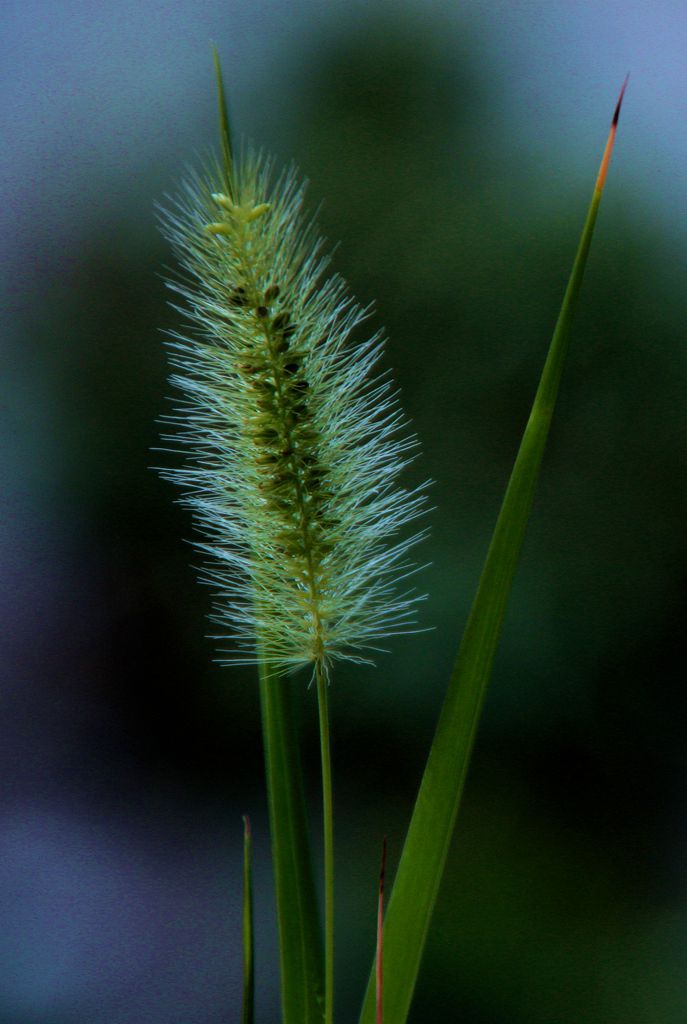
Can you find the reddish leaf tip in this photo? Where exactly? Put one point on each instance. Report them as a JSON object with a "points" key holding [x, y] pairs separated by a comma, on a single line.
{"points": [[619, 104], [605, 160]]}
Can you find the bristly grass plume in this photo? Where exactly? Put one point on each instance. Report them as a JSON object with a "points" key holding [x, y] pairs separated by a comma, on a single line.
{"points": [[294, 452], [293, 449]]}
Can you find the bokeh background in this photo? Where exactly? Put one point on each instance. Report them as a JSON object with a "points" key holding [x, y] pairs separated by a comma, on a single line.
{"points": [[455, 147]]}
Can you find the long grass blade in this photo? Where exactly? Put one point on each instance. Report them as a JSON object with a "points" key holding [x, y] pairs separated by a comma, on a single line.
{"points": [[426, 847]]}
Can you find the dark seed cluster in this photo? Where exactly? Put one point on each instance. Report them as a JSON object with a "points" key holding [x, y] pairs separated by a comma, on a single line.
{"points": [[293, 478]]}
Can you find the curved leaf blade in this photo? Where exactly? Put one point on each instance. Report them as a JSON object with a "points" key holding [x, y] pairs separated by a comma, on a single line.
{"points": [[427, 842]]}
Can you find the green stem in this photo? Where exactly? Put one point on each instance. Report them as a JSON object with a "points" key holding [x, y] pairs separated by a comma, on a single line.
{"points": [[248, 1014], [300, 944], [328, 828]]}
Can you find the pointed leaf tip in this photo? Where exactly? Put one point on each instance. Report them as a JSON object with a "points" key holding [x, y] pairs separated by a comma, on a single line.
{"points": [[620, 101], [224, 128], [606, 159]]}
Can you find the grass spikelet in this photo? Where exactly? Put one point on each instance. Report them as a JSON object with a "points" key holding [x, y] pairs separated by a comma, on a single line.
{"points": [[293, 448]]}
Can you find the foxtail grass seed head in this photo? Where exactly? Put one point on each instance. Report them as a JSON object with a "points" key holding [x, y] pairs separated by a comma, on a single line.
{"points": [[292, 449]]}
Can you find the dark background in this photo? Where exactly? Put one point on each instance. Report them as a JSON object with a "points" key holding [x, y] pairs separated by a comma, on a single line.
{"points": [[456, 156]]}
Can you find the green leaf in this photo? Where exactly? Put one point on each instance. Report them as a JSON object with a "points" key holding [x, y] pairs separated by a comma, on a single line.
{"points": [[427, 843], [300, 940], [224, 129]]}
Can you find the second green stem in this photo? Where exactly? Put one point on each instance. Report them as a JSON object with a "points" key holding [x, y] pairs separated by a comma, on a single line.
{"points": [[328, 829]]}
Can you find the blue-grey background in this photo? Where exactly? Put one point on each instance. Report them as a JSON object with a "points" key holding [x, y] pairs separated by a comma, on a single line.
{"points": [[455, 147]]}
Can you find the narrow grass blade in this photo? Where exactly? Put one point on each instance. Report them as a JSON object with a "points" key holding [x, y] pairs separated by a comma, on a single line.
{"points": [[224, 129], [300, 942], [427, 843], [248, 1011]]}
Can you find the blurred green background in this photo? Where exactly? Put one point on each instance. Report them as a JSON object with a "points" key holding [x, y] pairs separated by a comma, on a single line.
{"points": [[455, 153]]}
